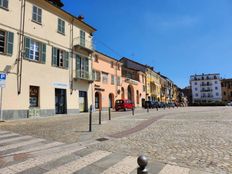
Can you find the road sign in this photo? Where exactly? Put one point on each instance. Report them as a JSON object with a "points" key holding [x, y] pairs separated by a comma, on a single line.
{"points": [[2, 80]]}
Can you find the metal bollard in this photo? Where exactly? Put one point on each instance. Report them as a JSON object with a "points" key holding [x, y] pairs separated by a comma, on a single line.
{"points": [[99, 116], [109, 113], [142, 162], [90, 118], [133, 111], [157, 108]]}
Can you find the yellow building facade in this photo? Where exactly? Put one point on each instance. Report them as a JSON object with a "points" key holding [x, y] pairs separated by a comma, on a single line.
{"points": [[47, 56], [153, 84]]}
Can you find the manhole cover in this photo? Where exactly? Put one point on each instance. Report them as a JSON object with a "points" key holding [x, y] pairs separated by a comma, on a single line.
{"points": [[102, 139]]}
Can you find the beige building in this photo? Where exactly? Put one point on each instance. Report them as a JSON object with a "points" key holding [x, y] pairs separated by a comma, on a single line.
{"points": [[108, 80], [47, 55]]}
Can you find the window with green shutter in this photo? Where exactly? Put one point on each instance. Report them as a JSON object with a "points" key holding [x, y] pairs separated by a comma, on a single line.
{"points": [[34, 50], [6, 42], [61, 26], [60, 58], [82, 38], [36, 14]]}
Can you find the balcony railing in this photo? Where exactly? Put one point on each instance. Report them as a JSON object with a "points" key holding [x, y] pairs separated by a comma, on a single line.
{"points": [[84, 75], [206, 90], [206, 84], [87, 44], [131, 81]]}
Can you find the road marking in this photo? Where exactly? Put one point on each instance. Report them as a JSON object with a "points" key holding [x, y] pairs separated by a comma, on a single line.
{"points": [[33, 162], [20, 144], [8, 135], [127, 165], [14, 139], [174, 170], [38, 148], [79, 163]]}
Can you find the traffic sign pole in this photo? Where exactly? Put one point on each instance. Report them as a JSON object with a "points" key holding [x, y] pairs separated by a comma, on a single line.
{"points": [[1, 113]]}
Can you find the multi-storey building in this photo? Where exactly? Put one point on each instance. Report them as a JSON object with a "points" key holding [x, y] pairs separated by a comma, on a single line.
{"points": [[206, 88], [166, 94], [133, 82], [153, 84], [47, 55], [108, 80], [226, 90]]}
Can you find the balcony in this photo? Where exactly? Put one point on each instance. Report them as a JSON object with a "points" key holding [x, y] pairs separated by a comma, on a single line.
{"points": [[206, 84], [131, 81], [206, 90], [83, 75], [84, 44]]}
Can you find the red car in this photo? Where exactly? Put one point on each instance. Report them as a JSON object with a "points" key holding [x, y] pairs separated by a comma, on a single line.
{"points": [[124, 104]]}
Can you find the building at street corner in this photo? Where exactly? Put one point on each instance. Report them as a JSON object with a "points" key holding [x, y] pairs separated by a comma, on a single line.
{"points": [[47, 55], [226, 90], [107, 81], [206, 88]]}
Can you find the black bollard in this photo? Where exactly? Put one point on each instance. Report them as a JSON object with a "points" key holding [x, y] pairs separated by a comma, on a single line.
{"points": [[90, 118], [109, 113], [99, 116], [133, 111], [142, 162]]}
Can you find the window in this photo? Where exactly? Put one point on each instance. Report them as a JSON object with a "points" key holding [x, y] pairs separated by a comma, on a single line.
{"points": [[224, 93], [6, 42], [4, 4], [196, 94], [34, 50], [118, 66], [195, 83], [96, 58], [112, 79], [97, 76], [104, 77], [216, 82], [82, 38], [37, 14], [112, 64], [34, 96], [144, 88], [231, 93], [216, 88], [195, 89], [217, 94], [61, 26], [118, 81], [60, 58], [82, 67]]}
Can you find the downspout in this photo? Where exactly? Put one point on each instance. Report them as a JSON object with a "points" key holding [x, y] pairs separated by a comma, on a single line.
{"points": [[72, 54], [21, 46]]}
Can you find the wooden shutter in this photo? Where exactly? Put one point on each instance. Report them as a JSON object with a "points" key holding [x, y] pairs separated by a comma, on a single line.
{"points": [[43, 57], [54, 56], [27, 42], [10, 43], [66, 59]]}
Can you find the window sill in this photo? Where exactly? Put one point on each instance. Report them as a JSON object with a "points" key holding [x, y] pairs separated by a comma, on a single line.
{"points": [[5, 54], [7, 9], [60, 67], [36, 22], [61, 33], [35, 61]]}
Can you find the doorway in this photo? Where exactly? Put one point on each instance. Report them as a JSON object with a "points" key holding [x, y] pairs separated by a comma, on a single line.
{"points": [[60, 101], [83, 102]]}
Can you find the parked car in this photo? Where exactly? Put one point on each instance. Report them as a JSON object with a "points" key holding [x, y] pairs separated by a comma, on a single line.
{"points": [[123, 104], [151, 104], [229, 104]]}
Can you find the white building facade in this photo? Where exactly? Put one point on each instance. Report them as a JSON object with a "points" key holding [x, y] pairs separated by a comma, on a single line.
{"points": [[206, 88]]}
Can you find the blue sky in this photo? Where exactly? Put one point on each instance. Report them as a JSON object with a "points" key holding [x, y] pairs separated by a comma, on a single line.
{"points": [[178, 37]]}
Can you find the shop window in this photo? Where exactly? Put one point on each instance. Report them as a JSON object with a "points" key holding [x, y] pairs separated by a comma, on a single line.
{"points": [[34, 96]]}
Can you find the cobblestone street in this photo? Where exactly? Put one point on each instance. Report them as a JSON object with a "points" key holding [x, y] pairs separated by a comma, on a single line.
{"points": [[194, 140]]}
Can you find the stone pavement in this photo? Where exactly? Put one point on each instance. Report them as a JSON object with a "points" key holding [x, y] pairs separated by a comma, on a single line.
{"points": [[192, 140], [28, 155]]}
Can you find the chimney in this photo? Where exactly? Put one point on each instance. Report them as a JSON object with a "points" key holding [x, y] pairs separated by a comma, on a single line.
{"points": [[81, 18]]}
